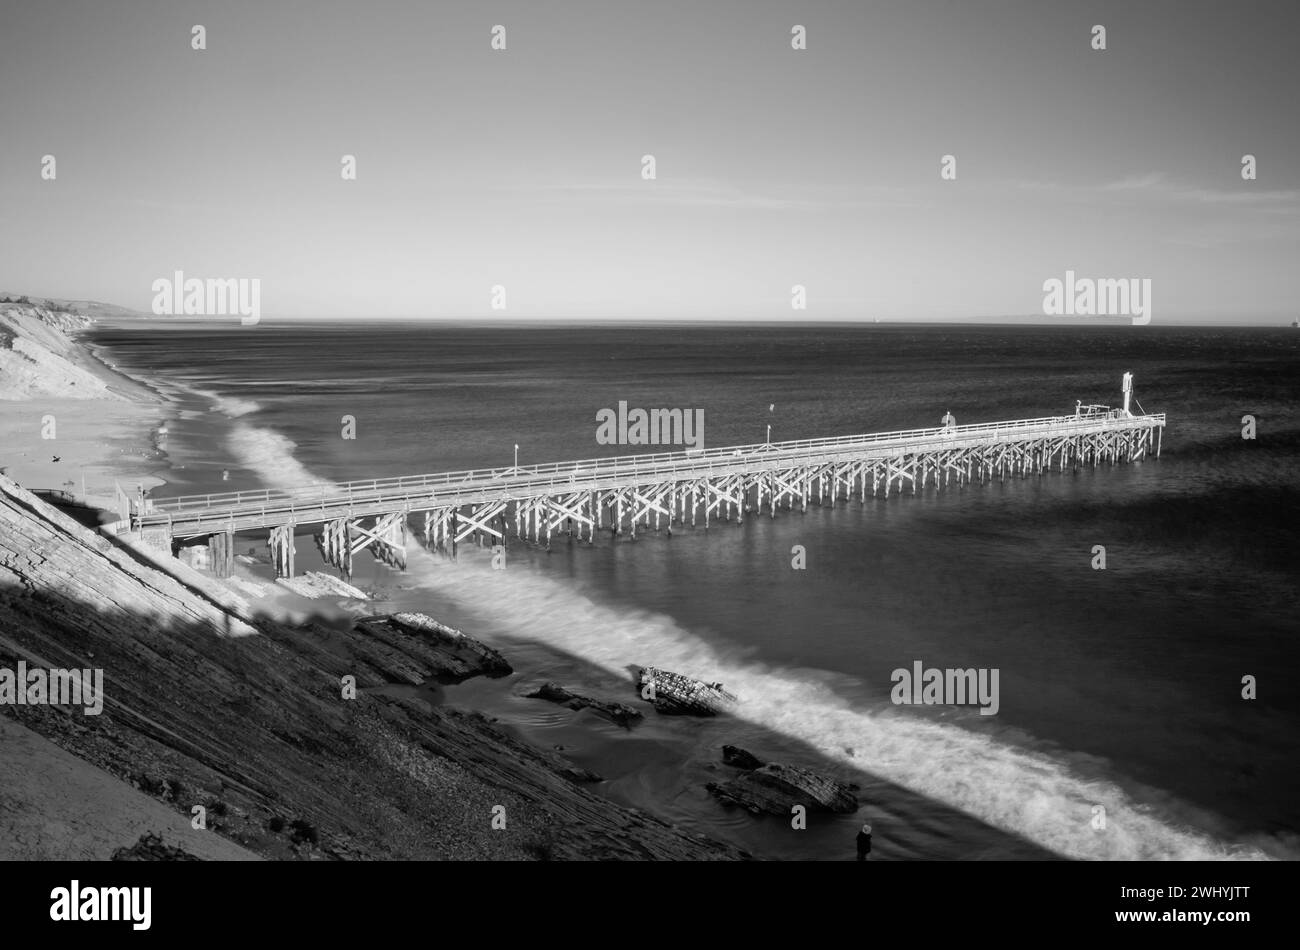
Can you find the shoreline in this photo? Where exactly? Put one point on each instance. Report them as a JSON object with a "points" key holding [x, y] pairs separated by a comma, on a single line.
{"points": [[94, 441]]}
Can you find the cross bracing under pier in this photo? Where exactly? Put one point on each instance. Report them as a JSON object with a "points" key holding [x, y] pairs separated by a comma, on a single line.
{"points": [[629, 493]]}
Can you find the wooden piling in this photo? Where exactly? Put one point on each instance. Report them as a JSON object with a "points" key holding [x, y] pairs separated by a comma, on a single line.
{"points": [[720, 483]]}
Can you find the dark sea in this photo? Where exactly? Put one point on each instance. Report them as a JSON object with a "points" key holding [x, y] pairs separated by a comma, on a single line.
{"points": [[1120, 689]]}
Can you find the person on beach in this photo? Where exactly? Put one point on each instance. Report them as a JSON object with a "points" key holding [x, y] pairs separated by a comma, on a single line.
{"points": [[864, 843]]}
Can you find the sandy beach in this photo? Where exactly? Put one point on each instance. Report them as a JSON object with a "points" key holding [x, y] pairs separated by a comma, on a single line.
{"points": [[97, 445], [69, 421]]}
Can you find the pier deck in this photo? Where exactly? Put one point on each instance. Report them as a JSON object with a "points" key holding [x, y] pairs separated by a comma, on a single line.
{"points": [[669, 487]]}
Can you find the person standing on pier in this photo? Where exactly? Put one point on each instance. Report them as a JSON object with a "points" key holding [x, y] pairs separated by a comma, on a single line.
{"points": [[864, 843]]}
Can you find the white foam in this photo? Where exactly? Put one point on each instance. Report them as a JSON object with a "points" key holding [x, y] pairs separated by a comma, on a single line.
{"points": [[269, 455], [231, 406]]}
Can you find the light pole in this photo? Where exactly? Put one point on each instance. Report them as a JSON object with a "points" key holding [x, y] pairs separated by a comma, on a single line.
{"points": [[516, 456]]}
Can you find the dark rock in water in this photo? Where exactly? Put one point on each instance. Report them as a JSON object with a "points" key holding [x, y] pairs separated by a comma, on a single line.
{"points": [[675, 694], [413, 647], [619, 713], [150, 847], [491, 662], [733, 755], [577, 774], [774, 789]]}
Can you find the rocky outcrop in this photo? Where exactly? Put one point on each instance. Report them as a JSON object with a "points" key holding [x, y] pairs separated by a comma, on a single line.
{"points": [[774, 789], [43, 550], [733, 755], [314, 584], [413, 648], [677, 695], [620, 713], [150, 847]]}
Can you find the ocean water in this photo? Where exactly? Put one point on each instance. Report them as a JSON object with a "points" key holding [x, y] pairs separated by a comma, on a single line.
{"points": [[1118, 688]]}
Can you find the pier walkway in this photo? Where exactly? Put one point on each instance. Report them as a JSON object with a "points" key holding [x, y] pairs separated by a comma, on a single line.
{"points": [[651, 490]]}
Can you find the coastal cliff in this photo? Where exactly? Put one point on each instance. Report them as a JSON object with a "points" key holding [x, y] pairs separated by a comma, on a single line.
{"points": [[247, 718], [40, 356]]}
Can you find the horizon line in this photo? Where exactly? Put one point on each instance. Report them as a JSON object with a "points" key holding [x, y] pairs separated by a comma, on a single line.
{"points": [[1281, 321], [509, 320]]}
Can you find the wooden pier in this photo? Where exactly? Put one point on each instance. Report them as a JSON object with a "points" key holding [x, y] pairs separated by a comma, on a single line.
{"points": [[622, 494]]}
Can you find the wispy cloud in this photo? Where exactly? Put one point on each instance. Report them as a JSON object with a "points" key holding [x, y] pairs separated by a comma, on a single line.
{"points": [[1158, 187], [705, 193], [1271, 202], [1148, 182]]}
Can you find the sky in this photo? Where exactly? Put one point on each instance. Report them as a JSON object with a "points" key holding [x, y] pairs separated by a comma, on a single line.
{"points": [[774, 167]]}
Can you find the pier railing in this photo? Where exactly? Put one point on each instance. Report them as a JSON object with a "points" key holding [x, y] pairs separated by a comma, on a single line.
{"points": [[321, 500]]}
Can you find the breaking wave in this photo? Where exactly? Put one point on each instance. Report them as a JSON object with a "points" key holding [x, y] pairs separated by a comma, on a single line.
{"points": [[269, 455], [231, 406]]}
